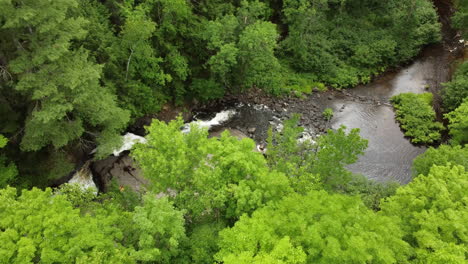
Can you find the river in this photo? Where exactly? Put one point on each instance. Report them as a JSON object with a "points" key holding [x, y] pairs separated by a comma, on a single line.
{"points": [[389, 155]]}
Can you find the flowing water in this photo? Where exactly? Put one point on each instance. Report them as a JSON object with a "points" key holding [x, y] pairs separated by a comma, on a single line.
{"points": [[389, 155]]}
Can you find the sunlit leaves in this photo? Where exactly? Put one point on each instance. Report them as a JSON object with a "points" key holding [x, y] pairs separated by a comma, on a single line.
{"points": [[432, 211], [458, 123], [160, 229], [416, 117], [38, 226], [220, 178], [316, 228]]}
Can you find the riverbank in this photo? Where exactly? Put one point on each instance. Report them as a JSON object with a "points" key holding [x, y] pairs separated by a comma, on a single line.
{"points": [[389, 156]]}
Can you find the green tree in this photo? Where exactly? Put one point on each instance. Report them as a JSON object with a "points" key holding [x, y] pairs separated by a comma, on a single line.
{"points": [[221, 36], [417, 117], [456, 90], [8, 170], [308, 163], [243, 48], [346, 42], [160, 230], [316, 228], [460, 18], [432, 212], [142, 89], [458, 123], [177, 41], [441, 156], [203, 242], [258, 65], [39, 227], [56, 78], [209, 178]]}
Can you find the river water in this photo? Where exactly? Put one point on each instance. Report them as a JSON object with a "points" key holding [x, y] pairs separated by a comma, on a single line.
{"points": [[389, 155]]}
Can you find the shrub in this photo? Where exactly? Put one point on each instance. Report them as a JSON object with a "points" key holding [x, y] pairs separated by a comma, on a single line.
{"points": [[441, 156], [458, 123], [456, 90], [328, 113], [416, 117]]}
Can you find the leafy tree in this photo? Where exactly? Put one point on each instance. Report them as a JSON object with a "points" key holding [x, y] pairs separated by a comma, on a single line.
{"points": [[177, 40], [432, 212], [441, 156], [456, 90], [258, 65], [222, 35], [244, 47], [160, 228], [142, 89], [8, 170], [57, 80], [458, 123], [206, 90], [309, 162], [416, 117], [460, 18], [203, 242], [210, 178], [39, 227], [371, 192], [316, 228], [346, 42]]}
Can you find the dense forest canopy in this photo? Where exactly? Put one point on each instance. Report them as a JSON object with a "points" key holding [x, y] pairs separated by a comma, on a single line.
{"points": [[74, 74]]}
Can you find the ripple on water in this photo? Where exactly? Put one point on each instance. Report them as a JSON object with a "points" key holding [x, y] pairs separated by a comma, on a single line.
{"points": [[389, 155]]}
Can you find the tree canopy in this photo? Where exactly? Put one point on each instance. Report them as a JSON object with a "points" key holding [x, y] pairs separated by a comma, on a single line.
{"points": [[315, 228], [432, 212]]}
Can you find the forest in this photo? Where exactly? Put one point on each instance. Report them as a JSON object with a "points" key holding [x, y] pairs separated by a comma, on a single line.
{"points": [[76, 74]]}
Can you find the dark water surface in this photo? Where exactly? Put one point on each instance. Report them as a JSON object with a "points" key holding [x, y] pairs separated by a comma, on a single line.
{"points": [[390, 155]]}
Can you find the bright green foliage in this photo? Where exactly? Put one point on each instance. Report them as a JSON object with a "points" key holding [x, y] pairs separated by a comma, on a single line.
{"points": [[308, 164], [144, 78], [3, 141], [432, 211], [72, 73], [258, 64], [207, 177], [346, 42], [458, 123], [57, 80], [328, 114], [416, 117], [456, 90], [244, 48], [221, 36], [37, 226], [456, 155], [203, 242], [316, 228], [78, 197], [8, 170], [160, 228]]}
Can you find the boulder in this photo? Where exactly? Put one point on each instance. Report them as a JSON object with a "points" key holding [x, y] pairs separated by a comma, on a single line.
{"points": [[123, 170]]}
